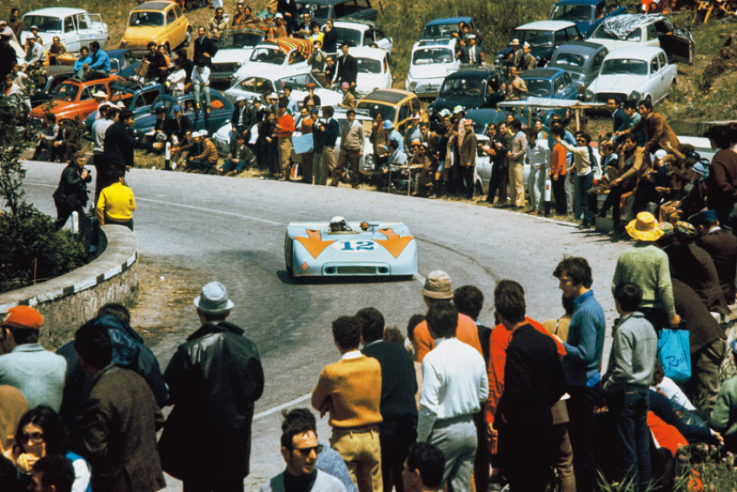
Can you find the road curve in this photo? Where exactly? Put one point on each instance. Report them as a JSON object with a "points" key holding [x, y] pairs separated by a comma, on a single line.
{"points": [[233, 229]]}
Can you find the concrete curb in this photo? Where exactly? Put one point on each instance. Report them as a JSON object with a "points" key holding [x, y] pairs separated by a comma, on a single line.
{"points": [[68, 301]]}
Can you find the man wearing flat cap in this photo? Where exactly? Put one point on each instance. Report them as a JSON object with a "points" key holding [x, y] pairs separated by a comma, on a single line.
{"points": [[214, 379], [37, 373]]}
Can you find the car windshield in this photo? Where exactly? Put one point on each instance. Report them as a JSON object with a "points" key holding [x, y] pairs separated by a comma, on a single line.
{"points": [[425, 56], [624, 67], [144, 19], [570, 61], [388, 112], [44, 24], [368, 65], [440, 31], [533, 38], [67, 92], [634, 37], [462, 87], [239, 40], [273, 56], [539, 87], [350, 36], [573, 13], [258, 85]]}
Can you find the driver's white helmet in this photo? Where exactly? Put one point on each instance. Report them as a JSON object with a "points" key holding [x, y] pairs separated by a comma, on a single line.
{"points": [[337, 223]]}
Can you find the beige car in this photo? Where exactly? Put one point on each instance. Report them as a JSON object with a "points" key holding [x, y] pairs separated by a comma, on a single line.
{"points": [[162, 22]]}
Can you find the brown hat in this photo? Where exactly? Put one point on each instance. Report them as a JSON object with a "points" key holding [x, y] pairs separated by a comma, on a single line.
{"points": [[23, 317], [438, 286]]}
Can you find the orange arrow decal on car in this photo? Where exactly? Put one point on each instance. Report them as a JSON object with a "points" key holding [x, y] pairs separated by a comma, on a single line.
{"points": [[393, 243], [313, 243]]}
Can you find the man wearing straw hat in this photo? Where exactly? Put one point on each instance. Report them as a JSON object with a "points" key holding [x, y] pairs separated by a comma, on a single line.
{"points": [[214, 379], [646, 265]]}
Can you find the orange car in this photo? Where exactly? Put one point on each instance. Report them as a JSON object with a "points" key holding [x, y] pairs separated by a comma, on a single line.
{"points": [[73, 99]]}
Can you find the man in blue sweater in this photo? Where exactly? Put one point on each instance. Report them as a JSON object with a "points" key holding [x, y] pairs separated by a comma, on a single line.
{"points": [[584, 347]]}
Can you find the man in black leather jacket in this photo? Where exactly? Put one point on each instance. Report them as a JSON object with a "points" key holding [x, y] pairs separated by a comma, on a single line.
{"points": [[214, 379]]}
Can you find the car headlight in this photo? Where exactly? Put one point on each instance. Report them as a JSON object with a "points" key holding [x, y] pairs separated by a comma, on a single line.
{"points": [[589, 95], [635, 96]]}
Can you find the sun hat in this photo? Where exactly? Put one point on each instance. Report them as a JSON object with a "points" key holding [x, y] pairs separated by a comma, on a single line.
{"points": [[203, 133], [644, 228], [120, 105], [388, 125], [686, 228], [34, 27], [273, 95], [526, 45], [667, 229], [23, 317], [214, 299], [416, 143], [7, 32], [438, 285], [458, 109], [99, 94], [445, 112], [515, 42], [278, 16], [470, 36]]}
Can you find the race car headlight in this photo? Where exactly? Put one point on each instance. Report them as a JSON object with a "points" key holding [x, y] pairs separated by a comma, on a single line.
{"points": [[635, 96]]}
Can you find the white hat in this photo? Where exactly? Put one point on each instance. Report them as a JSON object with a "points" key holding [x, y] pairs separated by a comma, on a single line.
{"points": [[273, 95], [660, 153], [515, 42], [195, 134], [121, 105], [100, 94], [203, 133], [214, 299], [7, 32], [278, 16], [526, 44], [240, 98]]}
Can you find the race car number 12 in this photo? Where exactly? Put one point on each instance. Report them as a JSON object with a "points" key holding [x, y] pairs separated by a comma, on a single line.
{"points": [[354, 246]]}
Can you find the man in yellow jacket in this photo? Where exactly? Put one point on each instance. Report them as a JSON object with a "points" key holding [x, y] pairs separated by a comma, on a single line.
{"points": [[116, 205]]}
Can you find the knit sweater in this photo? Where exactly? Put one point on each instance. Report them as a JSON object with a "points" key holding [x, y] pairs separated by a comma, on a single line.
{"points": [[632, 360], [352, 387], [723, 418], [37, 373], [585, 342], [647, 266], [467, 332]]}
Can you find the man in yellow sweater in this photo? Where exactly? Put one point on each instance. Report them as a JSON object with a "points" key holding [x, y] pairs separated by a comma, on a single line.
{"points": [[116, 205], [350, 390]]}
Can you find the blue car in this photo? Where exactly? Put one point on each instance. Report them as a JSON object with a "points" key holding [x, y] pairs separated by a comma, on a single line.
{"points": [[221, 110], [133, 95], [586, 14], [350, 249], [551, 83], [446, 27]]}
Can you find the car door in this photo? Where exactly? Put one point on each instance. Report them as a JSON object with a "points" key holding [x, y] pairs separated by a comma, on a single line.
{"points": [[91, 27], [296, 61], [382, 40], [85, 31], [483, 167], [146, 97], [594, 67], [654, 80], [678, 44], [70, 36], [387, 72], [87, 104]]}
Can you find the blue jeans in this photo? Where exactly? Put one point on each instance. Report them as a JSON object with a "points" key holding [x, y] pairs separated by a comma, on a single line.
{"points": [[629, 411], [536, 187], [237, 166], [201, 89], [583, 184]]}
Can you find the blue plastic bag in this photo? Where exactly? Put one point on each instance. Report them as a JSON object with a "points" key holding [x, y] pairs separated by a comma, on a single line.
{"points": [[674, 354]]}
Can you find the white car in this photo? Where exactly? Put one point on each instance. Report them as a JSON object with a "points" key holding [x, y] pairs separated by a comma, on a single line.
{"points": [[234, 50], [639, 30], [75, 27], [634, 74], [361, 33], [277, 57], [265, 83], [373, 69], [432, 60]]}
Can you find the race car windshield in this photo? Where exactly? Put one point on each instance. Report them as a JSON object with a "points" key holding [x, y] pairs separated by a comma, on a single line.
{"points": [[240, 40], [350, 36], [368, 65], [624, 67], [533, 38], [428, 56], [570, 61], [538, 87], [573, 13], [44, 24], [143, 19], [462, 87], [268, 55], [67, 92], [388, 112], [440, 31]]}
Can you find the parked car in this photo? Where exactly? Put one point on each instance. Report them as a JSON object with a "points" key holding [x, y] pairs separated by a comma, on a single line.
{"points": [[373, 69], [133, 95], [73, 99], [551, 83], [432, 60], [581, 59], [484, 166], [446, 28], [632, 30], [260, 86], [75, 27], [470, 88], [220, 112], [587, 14], [275, 56], [543, 37], [395, 105], [634, 74], [321, 10], [234, 49], [162, 22], [48, 82], [482, 118], [361, 33]]}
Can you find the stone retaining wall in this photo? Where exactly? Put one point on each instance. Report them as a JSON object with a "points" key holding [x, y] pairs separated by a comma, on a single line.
{"points": [[68, 301]]}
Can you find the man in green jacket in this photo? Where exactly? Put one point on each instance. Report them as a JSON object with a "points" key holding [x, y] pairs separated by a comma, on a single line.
{"points": [[723, 418]]}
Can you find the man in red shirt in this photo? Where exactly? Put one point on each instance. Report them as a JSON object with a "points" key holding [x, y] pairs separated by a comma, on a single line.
{"points": [[284, 130]]}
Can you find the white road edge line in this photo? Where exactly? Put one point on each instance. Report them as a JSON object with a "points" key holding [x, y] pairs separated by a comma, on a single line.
{"points": [[288, 404], [203, 209]]}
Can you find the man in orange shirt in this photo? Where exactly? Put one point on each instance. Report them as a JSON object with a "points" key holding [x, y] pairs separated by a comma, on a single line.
{"points": [[284, 130], [438, 288], [558, 166]]}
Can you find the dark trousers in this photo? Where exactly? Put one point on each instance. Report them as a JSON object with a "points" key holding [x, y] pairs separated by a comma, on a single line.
{"points": [[528, 466], [581, 407], [396, 436], [629, 411], [483, 457], [645, 194], [468, 172], [352, 156], [656, 317], [63, 213], [559, 195], [583, 184], [102, 175], [272, 153], [200, 165], [237, 166], [205, 484], [498, 181], [614, 198]]}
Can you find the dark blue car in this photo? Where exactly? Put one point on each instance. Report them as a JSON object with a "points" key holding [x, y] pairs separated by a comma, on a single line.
{"points": [[470, 88], [221, 110], [543, 37], [551, 83], [586, 14]]}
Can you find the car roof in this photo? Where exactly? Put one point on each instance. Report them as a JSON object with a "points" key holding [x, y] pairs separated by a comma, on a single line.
{"points": [[473, 73], [541, 73], [580, 47], [56, 12], [637, 53], [579, 2], [449, 20], [367, 52], [153, 6], [392, 96], [546, 25], [358, 26], [84, 83], [644, 19], [434, 43]]}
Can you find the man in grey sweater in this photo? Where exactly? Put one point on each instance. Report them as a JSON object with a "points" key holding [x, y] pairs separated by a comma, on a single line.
{"points": [[626, 384], [352, 139]]}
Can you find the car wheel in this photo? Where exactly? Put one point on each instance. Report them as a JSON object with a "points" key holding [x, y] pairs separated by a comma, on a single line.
{"points": [[188, 37]]}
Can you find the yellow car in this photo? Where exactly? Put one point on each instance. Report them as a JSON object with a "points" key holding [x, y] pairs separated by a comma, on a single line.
{"points": [[162, 22], [395, 105]]}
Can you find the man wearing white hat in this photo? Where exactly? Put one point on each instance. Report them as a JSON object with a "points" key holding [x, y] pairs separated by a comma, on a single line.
{"points": [[470, 53], [214, 379], [528, 60], [514, 58]]}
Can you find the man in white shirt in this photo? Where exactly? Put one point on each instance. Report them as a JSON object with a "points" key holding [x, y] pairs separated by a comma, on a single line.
{"points": [[538, 157], [201, 84], [454, 385], [99, 127], [583, 160]]}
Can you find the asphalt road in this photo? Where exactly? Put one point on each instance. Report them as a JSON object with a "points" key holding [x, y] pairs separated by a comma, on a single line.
{"points": [[233, 230]]}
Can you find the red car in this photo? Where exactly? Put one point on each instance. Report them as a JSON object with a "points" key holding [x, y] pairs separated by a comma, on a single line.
{"points": [[73, 99]]}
